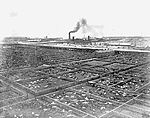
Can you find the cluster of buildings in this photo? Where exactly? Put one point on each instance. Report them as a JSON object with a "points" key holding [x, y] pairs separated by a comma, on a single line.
{"points": [[104, 42]]}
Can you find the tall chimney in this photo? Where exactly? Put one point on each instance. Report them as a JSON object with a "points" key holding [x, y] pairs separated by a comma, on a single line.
{"points": [[75, 30], [88, 37], [69, 35]]}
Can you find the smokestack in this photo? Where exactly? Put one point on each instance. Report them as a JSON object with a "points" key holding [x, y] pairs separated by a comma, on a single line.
{"points": [[75, 29], [85, 28], [69, 35]]}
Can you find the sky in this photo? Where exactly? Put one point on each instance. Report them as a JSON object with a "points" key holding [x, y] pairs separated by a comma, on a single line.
{"points": [[55, 18]]}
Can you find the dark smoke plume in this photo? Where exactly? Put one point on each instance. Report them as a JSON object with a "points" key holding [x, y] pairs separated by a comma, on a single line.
{"points": [[85, 28], [80, 23], [76, 28], [83, 22]]}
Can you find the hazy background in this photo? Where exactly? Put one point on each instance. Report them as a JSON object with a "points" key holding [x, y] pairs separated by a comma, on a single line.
{"points": [[55, 18]]}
